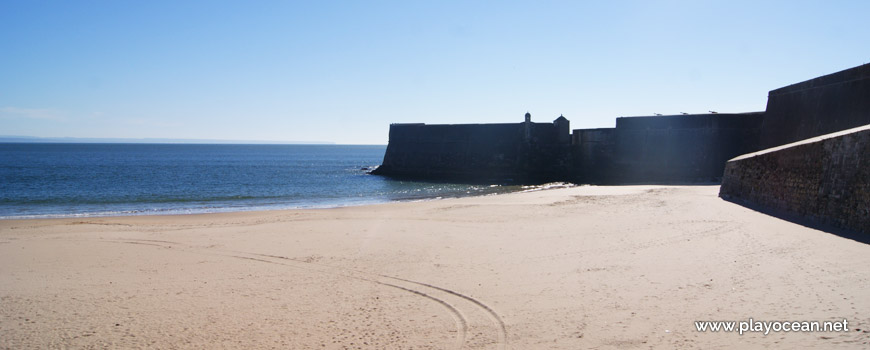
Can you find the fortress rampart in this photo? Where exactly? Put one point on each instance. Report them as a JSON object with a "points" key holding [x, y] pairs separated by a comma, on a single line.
{"points": [[819, 106], [664, 149], [660, 149], [824, 179], [520, 152]]}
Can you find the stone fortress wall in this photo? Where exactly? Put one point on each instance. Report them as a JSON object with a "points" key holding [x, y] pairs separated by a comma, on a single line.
{"points": [[667, 149], [524, 152], [825, 179], [809, 179], [663, 149], [818, 106]]}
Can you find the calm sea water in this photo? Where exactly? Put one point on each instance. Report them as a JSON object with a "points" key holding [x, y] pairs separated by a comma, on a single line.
{"points": [[65, 180]]}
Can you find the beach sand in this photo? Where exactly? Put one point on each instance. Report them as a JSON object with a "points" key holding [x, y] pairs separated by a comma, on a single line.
{"points": [[582, 267]]}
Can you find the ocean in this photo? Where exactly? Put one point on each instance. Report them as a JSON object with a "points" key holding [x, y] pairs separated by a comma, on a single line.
{"points": [[42, 180]]}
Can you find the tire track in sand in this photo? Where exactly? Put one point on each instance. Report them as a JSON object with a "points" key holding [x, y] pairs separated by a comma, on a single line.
{"points": [[458, 305], [502, 334], [501, 337], [458, 316]]}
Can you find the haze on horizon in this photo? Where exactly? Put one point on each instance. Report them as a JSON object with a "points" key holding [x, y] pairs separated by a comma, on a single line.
{"points": [[343, 71]]}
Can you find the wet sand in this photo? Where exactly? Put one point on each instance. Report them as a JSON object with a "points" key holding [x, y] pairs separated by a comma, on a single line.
{"points": [[583, 267]]}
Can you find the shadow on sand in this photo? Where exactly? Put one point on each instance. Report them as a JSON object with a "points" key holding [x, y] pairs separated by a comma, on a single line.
{"points": [[804, 221]]}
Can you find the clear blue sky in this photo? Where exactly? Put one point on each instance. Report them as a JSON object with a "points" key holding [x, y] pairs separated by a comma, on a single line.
{"points": [[343, 71]]}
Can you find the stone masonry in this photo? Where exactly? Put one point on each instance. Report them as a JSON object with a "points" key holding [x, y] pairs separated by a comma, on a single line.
{"points": [[825, 179]]}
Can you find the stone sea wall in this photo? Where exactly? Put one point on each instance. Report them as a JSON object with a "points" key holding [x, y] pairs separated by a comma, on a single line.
{"points": [[651, 149], [516, 152], [824, 179]]}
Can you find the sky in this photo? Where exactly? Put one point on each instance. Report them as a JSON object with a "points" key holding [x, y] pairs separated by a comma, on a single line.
{"points": [[342, 71]]}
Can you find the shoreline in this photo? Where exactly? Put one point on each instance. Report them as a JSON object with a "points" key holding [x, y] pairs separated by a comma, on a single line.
{"points": [[578, 267], [279, 207]]}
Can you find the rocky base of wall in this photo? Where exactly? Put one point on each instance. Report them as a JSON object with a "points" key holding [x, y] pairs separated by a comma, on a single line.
{"points": [[825, 179]]}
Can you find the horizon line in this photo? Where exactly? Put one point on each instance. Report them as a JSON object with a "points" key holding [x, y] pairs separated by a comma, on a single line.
{"points": [[153, 140]]}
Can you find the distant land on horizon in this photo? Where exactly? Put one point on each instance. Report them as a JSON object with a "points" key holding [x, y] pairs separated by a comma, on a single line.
{"points": [[34, 139]]}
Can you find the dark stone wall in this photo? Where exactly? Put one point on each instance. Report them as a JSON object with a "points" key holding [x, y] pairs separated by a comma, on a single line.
{"points": [[477, 152], [664, 149], [683, 148], [660, 149], [817, 106], [826, 180], [592, 155]]}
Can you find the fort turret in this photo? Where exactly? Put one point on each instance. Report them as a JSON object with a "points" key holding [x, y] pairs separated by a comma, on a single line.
{"points": [[527, 136]]}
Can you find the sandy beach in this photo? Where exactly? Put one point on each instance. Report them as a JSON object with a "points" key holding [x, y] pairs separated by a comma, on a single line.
{"points": [[582, 267]]}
